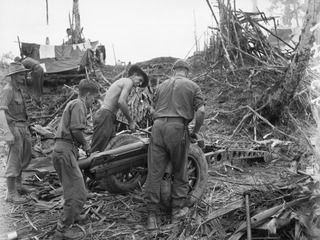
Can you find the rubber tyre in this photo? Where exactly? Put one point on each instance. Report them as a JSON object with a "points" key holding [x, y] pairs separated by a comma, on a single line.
{"points": [[114, 183], [198, 178], [198, 185]]}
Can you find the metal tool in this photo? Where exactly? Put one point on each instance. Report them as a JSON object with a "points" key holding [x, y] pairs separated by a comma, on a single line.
{"points": [[137, 127], [249, 236]]}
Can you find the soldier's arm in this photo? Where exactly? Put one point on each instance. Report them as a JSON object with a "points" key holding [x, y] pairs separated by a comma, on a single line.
{"points": [[154, 101], [200, 110], [199, 118], [78, 124], [123, 99], [79, 136], [6, 96]]}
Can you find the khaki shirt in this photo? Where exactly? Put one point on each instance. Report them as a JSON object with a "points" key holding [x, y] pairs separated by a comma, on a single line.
{"points": [[12, 101], [29, 63], [74, 117], [177, 97]]}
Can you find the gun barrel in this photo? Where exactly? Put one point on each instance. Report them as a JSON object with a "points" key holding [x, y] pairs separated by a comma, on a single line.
{"points": [[103, 157]]}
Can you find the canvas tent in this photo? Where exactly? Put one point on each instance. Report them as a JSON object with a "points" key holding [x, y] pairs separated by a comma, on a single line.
{"points": [[57, 58]]}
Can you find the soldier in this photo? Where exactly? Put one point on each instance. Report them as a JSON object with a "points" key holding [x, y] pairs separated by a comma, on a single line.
{"points": [[115, 98], [176, 101], [69, 137], [12, 106], [37, 76]]}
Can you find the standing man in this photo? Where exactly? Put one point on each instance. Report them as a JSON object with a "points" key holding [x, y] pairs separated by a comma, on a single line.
{"points": [[116, 98], [176, 101], [37, 76], [13, 110], [69, 137]]}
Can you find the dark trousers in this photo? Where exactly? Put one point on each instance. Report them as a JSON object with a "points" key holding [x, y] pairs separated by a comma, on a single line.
{"points": [[103, 129], [64, 159], [37, 76], [169, 142]]}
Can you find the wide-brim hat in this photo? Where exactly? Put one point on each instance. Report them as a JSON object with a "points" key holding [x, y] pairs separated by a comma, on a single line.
{"points": [[16, 67], [136, 69]]}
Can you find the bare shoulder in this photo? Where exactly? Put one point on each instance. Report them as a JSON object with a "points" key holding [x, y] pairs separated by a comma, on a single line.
{"points": [[117, 84], [125, 82]]}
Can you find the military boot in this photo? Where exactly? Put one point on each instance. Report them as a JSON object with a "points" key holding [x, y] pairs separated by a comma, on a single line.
{"points": [[178, 214], [67, 233], [81, 219], [152, 221], [20, 188], [12, 195]]}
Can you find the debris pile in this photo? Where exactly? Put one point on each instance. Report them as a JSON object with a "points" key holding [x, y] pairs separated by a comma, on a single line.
{"points": [[279, 207], [244, 76]]}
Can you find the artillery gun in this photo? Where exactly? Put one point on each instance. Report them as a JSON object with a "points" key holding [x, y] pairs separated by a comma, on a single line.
{"points": [[122, 168]]}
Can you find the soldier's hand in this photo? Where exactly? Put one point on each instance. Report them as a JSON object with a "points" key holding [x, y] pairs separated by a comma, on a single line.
{"points": [[151, 110], [88, 152], [132, 126], [9, 139], [193, 137], [87, 149]]}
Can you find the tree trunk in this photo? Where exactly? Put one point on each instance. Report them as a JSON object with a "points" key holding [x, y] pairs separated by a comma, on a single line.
{"points": [[300, 60], [223, 28], [317, 33], [254, 5], [296, 13], [76, 15]]}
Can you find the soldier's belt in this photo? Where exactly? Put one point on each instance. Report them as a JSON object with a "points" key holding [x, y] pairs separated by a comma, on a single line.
{"points": [[20, 124], [172, 119]]}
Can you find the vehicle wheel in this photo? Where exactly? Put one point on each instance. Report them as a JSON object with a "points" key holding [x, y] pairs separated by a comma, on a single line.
{"points": [[126, 181], [197, 176]]}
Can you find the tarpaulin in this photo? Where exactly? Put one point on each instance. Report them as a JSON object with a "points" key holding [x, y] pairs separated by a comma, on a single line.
{"points": [[30, 50], [57, 58], [54, 66], [47, 51], [63, 52]]}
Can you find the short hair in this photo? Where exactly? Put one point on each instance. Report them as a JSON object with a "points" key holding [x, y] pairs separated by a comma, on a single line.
{"points": [[88, 86], [136, 69], [17, 59]]}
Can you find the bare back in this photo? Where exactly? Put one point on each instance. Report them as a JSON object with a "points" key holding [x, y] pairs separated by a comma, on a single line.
{"points": [[120, 88]]}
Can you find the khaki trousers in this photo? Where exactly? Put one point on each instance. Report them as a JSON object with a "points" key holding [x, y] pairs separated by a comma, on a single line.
{"points": [[169, 142], [64, 159], [19, 151]]}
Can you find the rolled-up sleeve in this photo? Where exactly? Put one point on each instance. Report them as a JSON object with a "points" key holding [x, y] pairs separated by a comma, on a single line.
{"points": [[78, 117], [6, 96], [198, 99]]}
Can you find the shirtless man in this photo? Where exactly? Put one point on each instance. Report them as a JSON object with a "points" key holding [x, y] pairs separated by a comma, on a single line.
{"points": [[116, 98]]}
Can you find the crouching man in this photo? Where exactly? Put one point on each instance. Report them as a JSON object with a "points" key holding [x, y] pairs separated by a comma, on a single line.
{"points": [[65, 154], [13, 110]]}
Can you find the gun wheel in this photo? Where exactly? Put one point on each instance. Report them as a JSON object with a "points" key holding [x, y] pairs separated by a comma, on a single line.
{"points": [[125, 181], [197, 178]]}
